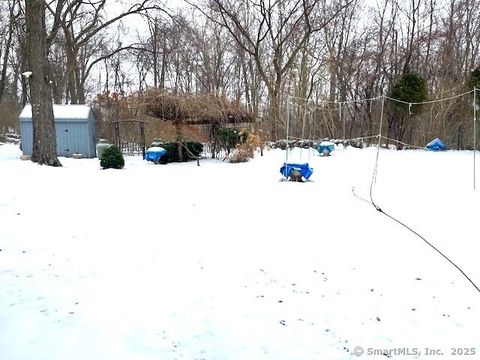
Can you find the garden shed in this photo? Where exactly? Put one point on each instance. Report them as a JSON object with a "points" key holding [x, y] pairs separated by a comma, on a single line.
{"points": [[74, 127]]}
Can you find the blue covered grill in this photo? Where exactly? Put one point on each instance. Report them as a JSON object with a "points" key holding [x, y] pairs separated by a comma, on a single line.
{"points": [[154, 153]]}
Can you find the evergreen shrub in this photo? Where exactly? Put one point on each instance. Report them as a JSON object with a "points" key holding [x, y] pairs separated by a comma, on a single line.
{"points": [[112, 158], [227, 139], [194, 150]]}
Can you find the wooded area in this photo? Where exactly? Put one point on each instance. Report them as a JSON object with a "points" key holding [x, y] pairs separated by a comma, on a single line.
{"points": [[323, 53]]}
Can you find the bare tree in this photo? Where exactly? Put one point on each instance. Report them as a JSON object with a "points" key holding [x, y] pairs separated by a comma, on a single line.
{"points": [[7, 47], [81, 22], [44, 150], [273, 33], [257, 52]]}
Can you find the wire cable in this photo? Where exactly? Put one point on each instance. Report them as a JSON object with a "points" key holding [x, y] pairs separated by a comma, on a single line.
{"points": [[380, 210], [429, 101], [402, 143]]}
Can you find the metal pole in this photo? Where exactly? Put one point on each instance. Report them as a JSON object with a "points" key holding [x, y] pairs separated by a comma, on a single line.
{"points": [[342, 118], [374, 176], [288, 128], [142, 138], [474, 135]]}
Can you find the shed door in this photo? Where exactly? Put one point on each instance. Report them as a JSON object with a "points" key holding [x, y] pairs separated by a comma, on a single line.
{"points": [[70, 136]]}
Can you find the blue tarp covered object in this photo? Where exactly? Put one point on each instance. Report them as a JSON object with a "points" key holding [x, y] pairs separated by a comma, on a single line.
{"points": [[304, 169], [326, 147], [436, 145], [154, 153]]}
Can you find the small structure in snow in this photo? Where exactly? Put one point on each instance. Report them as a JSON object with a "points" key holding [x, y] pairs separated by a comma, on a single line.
{"points": [[436, 145], [296, 172], [154, 153], [74, 128], [325, 148]]}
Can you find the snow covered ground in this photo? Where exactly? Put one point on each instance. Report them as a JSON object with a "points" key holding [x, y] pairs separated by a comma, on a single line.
{"points": [[225, 261]]}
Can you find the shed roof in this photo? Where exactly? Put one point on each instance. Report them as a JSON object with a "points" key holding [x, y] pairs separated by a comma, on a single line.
{"points": [[73, 112]]}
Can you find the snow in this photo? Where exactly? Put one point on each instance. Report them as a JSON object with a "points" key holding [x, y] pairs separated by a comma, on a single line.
{"points": [[64, 112], [156, 149], [226, 261]]}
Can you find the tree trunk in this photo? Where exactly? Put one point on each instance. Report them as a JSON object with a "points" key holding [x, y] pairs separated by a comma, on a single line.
{"points": [[178, 134], [71, 72], [155, 53], [8, 45], [44, 149], [274, 114]]}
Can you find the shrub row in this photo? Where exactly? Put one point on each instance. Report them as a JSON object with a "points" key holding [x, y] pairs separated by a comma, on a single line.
{"points": [[194, 150], [112, 157]]}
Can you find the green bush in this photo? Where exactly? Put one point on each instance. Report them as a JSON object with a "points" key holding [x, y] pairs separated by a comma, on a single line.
{"points": [[194, 150], [226, 139], [474, 81], [194, 147], [411, 88], [171, 155], [112, 158]]}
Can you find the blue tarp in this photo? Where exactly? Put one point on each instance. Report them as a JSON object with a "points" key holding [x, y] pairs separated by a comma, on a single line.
{"points": [[154, 153], [436, 145], [326, 147], [304, 169]]}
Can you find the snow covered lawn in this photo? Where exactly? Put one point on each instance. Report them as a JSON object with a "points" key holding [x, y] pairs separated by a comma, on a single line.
{"points": [[225, 261]]}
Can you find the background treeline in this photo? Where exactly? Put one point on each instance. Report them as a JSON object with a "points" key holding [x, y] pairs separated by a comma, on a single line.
{"points": [[323, 53]]}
